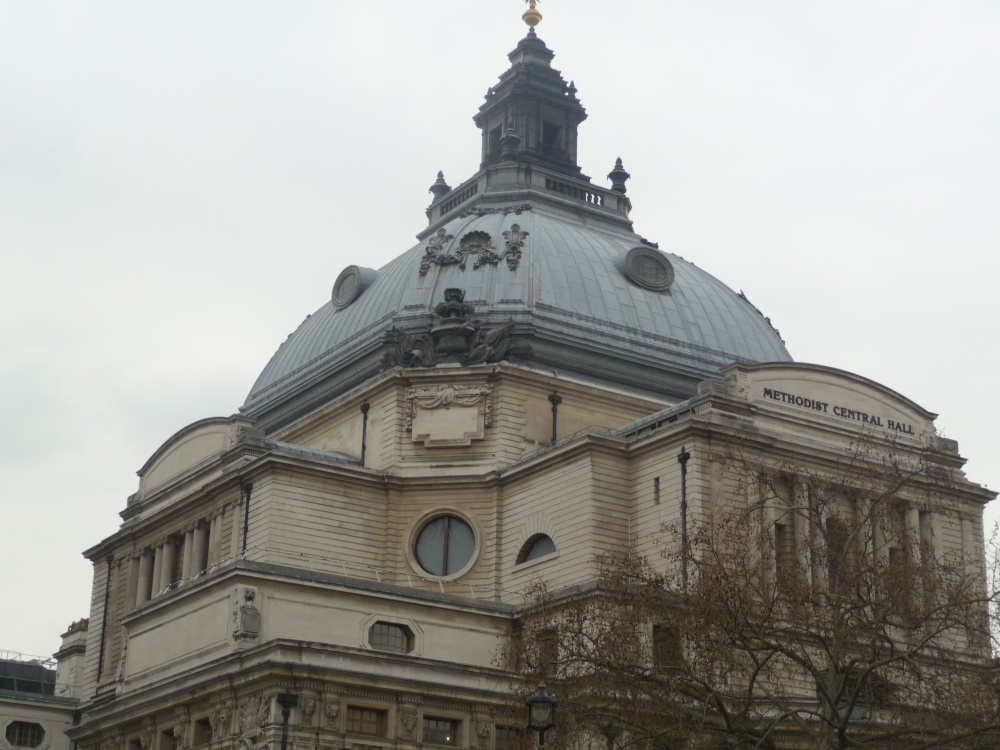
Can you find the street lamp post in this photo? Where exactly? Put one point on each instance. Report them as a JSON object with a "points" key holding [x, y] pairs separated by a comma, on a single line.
{"points": [[541, 712]]}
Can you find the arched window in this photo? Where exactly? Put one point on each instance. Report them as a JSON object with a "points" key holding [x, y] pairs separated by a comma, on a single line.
{"points": [[537, 546]]}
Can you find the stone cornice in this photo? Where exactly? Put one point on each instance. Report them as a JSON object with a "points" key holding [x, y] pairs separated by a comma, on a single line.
{"points": [[278, 666], [249, 572]]}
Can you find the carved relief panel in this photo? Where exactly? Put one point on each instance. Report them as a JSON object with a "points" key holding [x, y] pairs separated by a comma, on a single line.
{"points": [[449, 415]]}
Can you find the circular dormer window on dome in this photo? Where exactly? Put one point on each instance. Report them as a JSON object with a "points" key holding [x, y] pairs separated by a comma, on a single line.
{"points": [[646, 267], [352, 281]]}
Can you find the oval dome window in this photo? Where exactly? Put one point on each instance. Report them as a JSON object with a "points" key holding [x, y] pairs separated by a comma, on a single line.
{"points": [[646, 267], [352, 281]]}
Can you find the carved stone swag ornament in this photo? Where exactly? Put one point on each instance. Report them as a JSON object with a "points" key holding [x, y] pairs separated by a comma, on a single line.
{"points": [[517, 210], [443, 396], [449, 415], [455, 338], [475, 243]]}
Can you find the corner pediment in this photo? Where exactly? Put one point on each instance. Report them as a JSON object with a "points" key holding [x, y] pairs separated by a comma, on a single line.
{"points": [[825, 394], [189, 449]]}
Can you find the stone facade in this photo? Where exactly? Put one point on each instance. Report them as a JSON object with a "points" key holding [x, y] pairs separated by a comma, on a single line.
{"points": [[361, 536], [305, 552]]}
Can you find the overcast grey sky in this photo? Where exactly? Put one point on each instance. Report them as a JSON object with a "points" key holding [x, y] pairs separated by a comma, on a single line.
{"points": [[181, 183]]}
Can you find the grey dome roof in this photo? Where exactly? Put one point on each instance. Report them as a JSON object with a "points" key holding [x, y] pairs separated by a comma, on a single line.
{"points": [[566, 296], [563, 292]]}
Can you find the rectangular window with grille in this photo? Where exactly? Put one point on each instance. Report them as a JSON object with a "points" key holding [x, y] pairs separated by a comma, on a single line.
{"points": [[388, 636], [370, 721], [25, 734], [440, 731]]}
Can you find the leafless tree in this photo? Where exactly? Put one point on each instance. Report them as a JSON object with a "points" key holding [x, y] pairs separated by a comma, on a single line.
{"points": [[821, 611]]}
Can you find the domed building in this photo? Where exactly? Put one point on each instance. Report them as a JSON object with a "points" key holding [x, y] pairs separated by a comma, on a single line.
{"points": [[537, 250], [502, 403]]}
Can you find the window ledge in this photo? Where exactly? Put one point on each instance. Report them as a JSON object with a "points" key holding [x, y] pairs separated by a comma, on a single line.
{"points": [[537, 561]]}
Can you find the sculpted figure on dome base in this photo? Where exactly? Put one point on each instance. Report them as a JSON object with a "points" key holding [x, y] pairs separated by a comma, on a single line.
{"points": [[455, 339]]}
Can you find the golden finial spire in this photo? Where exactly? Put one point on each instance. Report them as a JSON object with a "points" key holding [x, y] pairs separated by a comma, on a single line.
{"points": [[531, 15]]}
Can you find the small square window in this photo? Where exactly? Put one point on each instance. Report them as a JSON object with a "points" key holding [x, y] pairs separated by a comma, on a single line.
{"points": [[370, 721], [440, 731], [551, 134]]}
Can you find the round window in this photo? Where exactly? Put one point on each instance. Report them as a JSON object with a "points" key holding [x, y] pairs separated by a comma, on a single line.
{"points": [[647, 268], [445, 545]]}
